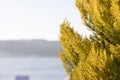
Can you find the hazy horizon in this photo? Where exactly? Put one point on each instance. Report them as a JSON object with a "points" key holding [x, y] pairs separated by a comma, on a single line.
{"points": [[29, 48]]}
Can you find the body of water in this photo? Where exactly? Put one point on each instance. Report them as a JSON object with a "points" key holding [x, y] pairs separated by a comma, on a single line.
{"points": [[35, 68]]}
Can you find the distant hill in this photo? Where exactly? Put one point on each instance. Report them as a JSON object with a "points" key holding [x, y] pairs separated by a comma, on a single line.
{"points": [[29, 48]]}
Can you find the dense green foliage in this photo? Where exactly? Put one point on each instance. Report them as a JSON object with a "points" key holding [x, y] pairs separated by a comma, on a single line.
{"points": [[96, 58]]}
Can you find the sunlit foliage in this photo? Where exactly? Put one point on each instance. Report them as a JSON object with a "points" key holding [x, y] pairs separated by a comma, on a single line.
{"points": [[96, 58]]}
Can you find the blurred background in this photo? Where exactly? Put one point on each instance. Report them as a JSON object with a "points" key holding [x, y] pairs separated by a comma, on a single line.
{"points": [[29, 37]]}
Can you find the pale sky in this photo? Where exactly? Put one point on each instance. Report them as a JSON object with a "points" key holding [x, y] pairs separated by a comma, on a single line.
{"points": [[37, 19]]}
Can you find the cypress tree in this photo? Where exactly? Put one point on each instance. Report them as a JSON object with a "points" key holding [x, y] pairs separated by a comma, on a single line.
{"points": [[96, 57]]}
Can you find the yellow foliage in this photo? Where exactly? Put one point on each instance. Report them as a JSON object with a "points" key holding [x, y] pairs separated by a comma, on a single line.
{"points": [[102, 16], [96, 58]]}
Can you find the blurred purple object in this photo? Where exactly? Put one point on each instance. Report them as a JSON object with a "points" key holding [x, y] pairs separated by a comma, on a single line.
{"points": [[22, 78]]}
